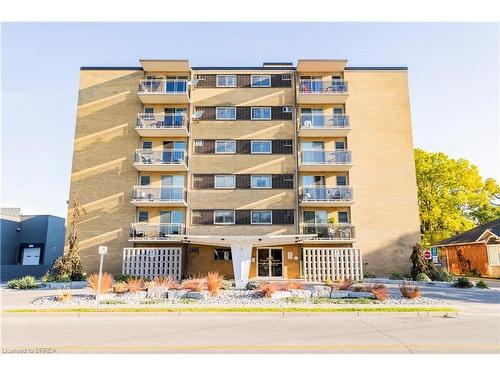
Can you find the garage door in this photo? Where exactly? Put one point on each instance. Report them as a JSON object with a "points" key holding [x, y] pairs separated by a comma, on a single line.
{"points": [[31, 256]]}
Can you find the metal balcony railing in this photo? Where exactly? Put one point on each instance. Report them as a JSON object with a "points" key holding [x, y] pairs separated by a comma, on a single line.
{"points": [[146, 231], [329, 231], [312, 86], [161, 121], [309, 121], [149, 156], [163, 86], [159, 194], [326, 157], [327, 194]]}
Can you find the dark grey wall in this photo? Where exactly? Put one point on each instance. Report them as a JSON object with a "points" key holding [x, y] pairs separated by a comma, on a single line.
{"points": [[9, 241]]}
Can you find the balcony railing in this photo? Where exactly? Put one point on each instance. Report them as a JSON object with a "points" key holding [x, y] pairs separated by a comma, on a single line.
{"points": [[146, 231], [329, 231], [311, 86], [308, 121], [149, 156], [327, 194], [159, 194], [163, 86], [311, 157], [161, 121]]}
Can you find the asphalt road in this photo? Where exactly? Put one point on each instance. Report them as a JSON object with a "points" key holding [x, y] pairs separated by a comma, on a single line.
{"points": [[252, 333]]}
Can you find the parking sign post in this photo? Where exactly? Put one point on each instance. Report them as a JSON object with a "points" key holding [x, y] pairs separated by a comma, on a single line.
{"points": [[103, 250]]}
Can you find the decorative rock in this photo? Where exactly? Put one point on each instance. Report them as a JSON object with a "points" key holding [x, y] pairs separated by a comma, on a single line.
{"points": [[104, 297], [302, 293], [339, 294], [157, 292], [319, 290], [197, 295], [141, 294], [279, 294], [175, 294], [361, 295]]}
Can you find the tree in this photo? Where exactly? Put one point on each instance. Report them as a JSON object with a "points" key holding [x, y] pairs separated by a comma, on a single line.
{"points": [[452, 196], [70, 263], [418, 262]]}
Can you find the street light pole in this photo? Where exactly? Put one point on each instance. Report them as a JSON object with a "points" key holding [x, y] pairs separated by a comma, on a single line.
{"points": [[102, 251]]}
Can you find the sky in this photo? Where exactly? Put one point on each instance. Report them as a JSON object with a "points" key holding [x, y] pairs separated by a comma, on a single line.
{"points": [[453, 79]]}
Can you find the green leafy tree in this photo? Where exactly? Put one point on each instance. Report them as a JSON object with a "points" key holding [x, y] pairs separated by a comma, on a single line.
{"points": [[452, 196]]}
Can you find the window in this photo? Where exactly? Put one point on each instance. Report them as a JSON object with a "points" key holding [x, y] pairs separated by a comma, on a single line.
{"points": [[149, 110], [261, 147], [262, 217], [261, 182], [225, 147], [145, 180], [224, 182], [493, 255], [222, 254], [286, 77], [343, 217], [143, 216], [341, 180], [338, 111], [340, 145], [287, 109], [261, 81], [225, 113], [261, 113], [226, 80], [198, 143], [147, 145], [223, 217]]}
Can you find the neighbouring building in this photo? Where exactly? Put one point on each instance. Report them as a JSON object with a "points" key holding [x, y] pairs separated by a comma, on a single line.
{"points": [[29, 243], [276, 171], [476, 249]]}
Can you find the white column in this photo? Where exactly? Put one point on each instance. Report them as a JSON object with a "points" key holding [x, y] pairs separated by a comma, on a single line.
{"points": [[241, 252]]}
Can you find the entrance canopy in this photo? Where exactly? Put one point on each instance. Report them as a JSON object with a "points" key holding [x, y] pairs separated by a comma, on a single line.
{"points": [[241, 248]]}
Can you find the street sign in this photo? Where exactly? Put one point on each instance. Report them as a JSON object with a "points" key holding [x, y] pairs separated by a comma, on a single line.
{"points": [[434, 251], [438, 264], [427, 254], [103, 250], [434, 259]]}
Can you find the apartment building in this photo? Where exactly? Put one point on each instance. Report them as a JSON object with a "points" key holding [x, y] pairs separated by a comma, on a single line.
{"points": [[277, 171]]}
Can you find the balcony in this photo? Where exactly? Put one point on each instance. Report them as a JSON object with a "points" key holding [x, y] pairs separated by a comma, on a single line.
{"points": [[322, 196], [324, 126], [146, 232], [322, 92], [319, 160], [147, 196], [329, 233], [162, 125], [165, 160], [163, 91]]}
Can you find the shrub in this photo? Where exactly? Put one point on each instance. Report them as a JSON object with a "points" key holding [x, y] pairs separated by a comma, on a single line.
{"points": [[481, 285], [226, 285], [63, 279], [112, 302], [267, 289], [379, 291], [289, 285], [359, 288], [419, 264], [395, 276], [474, 273], [135, 284], [294, 299], [120, 287], [345, 284], [122, 278], [214, 283], [106, 282], [166, 282], [187, 300], [26, 282], [252, 285], [47, 277], [369, 275], [64, 296], [441, 275], [194, 284], [463, 282], [409, 291], [422, 277]]}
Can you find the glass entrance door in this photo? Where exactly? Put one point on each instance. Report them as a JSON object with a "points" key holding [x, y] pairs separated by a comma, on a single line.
{"points": [[172, 187], [269, 262]]}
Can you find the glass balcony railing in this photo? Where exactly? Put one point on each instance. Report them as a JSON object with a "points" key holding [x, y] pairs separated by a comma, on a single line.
{"points": [[163, 86], [161, 121], [309, 121], [149, 156], [329, 231], [147, 231], [338, 157], [327, 194], [312, 86], [158, 194]]}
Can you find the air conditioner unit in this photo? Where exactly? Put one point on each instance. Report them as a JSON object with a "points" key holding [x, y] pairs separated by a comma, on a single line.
{"points": [[197, 115], [308, 124]]}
